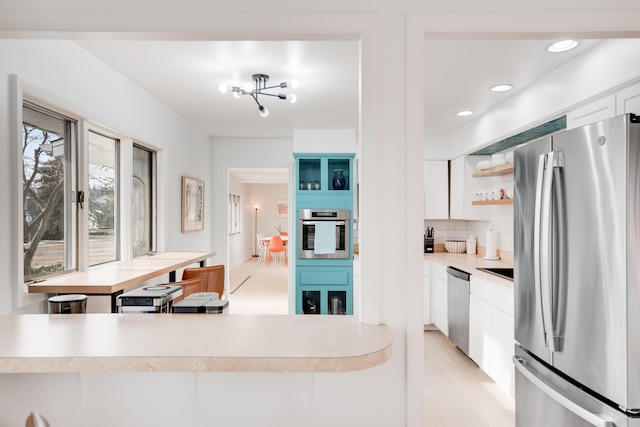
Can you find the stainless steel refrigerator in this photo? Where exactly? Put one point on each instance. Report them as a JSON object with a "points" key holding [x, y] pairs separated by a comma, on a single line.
{"points": [[577, 277]]}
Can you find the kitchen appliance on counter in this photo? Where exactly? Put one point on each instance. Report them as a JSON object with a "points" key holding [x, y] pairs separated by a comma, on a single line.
{"points": [[458, 302], [577, 323], [201, 302], [149, 299], [429, 240], [324, 233]]}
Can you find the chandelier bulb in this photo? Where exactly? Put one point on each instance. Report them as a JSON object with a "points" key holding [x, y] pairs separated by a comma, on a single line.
{"points": [[223, 88], [247, 86], [292, 98], [263, 111], [294, 84]]}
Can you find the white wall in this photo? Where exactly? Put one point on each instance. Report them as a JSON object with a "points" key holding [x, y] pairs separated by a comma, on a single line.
{"points": [[62, 74]]}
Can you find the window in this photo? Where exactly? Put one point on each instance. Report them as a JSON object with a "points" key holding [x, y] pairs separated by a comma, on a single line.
{"points": [[49, 192], [142, 201], [235, 214], [59, 237], [103, 198]]}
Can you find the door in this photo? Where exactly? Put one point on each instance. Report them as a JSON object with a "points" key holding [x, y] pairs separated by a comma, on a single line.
{"points": [[589, 258], [546, 399], [529, 331]]}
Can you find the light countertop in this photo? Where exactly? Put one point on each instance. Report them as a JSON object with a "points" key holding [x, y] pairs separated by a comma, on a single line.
{"points": [[471, 263], [189, 342]]}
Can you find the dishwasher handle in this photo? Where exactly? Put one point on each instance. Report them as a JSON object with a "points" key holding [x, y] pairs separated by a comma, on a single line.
{"points": [[458, 273]]}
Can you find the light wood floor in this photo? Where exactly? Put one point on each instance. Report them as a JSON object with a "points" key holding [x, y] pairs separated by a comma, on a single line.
{"points": [[456, 392]]}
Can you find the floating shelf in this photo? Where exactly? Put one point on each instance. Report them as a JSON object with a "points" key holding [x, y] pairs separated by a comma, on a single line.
{"points": [[505, 169], [494, 202]]}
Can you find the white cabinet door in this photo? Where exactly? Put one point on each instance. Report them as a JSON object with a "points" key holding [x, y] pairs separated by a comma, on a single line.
{"points": [[457, 189], [426, 283], [479, 331], [602, 109], [436, 189], [439, 297], [628, 100], [503, 371], [464, 187], [491, 331]]}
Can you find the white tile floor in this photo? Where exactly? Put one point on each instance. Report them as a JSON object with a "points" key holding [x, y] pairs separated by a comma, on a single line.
{"points": [[456, 392]]}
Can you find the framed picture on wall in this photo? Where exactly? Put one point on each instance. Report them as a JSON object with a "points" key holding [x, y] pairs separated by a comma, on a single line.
{"points": [[282, 208], [192, 204]]}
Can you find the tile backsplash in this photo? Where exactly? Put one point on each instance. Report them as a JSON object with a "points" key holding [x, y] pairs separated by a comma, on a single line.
{"points": [[501, 221]]}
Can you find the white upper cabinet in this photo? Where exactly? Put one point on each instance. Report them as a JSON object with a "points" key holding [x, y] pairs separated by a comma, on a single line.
{"points": [[628, 100], [436, 189], [602, 109], [464, 188]]}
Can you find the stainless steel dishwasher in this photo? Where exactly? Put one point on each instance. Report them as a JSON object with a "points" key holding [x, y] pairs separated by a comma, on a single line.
{"points": [[458, 307]]}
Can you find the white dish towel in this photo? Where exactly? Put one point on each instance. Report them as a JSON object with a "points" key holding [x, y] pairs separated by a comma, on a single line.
{"points": [[324, 241]]}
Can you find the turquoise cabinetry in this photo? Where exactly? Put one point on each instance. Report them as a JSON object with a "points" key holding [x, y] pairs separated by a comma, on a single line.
{"points": [[315, 180], [324, 286], [324, 290]]}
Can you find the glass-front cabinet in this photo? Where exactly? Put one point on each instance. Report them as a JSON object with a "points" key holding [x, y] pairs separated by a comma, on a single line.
{"points": [[324, 283]]}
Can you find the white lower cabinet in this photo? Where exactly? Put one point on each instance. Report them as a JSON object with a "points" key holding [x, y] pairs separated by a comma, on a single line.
{"points": [[438, 278], [426, 283], [491, 331]]}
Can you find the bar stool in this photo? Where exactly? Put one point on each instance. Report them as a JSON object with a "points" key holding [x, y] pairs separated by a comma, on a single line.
{"points": [[68, 304]]}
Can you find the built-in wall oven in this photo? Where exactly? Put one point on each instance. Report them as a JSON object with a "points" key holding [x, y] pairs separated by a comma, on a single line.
{"points": [[324, 233]]}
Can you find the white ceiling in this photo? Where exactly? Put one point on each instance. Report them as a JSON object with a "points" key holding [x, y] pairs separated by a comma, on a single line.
{"points": [[185, 76]]}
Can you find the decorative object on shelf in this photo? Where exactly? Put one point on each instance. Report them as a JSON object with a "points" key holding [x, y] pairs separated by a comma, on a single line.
{"points": [[339, 181], [192, 204], [455, 246], [282, 208], [258, 87]]}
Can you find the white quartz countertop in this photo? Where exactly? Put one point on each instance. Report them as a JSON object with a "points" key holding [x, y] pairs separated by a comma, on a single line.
{"points": [[189, 342], [471, 263]]}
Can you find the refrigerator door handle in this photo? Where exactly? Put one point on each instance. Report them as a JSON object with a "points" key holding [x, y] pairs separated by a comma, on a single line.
{"points": [[542, 217], [597, 420]]}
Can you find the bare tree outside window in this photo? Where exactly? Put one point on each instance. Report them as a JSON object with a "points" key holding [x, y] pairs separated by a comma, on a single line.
{"points": [[44, 181]]}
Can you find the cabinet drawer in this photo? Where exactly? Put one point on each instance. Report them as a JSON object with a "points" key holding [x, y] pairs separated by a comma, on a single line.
{"points": [[496, 295], [324, 278]]}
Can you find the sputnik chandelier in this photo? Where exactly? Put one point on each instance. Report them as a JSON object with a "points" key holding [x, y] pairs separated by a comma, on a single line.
{"points": [[258, 87]]}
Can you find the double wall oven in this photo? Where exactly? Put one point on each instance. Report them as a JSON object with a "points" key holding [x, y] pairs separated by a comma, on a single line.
{"points": [[324, 233]]}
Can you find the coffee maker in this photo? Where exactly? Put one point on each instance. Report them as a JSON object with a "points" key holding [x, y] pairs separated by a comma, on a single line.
{"points": [[429, 240]]}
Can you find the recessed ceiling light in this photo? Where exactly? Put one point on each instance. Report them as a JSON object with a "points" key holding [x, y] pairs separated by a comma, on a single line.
{"points": [[562, 46], [464, 113], [501, 88]]}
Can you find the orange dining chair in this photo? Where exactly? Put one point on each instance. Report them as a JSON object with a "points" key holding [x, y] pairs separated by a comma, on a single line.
{"points": [[189, 286], [284, 233], [277, 247], [212, 278]]}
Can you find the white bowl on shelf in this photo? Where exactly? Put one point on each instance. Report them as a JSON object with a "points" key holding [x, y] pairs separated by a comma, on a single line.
{"points": [[455, 246]]}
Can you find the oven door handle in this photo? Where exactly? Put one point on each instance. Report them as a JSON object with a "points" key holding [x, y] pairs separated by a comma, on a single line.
{"points": [[314, 222]]}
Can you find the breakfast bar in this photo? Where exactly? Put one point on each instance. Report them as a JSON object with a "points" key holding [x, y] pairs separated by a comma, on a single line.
{"points": [[113, 278], [189, 343]]}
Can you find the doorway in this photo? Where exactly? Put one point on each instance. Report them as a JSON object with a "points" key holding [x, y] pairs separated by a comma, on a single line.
{"points": [[258, 205]]}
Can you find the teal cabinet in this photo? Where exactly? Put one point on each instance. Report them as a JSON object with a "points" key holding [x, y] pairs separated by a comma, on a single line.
{"points": [[324, 290], [324, 181], [316, 186]]}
